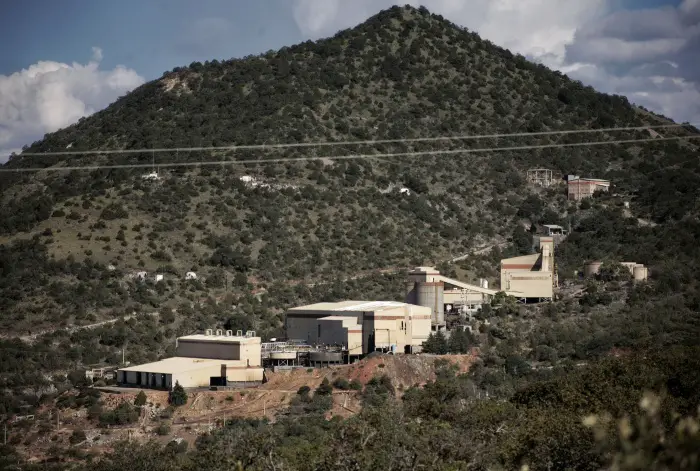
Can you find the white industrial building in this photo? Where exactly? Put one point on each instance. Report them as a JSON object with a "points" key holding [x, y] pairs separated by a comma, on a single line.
{"points": [[531, 277], [213, 359], [361, 327]]}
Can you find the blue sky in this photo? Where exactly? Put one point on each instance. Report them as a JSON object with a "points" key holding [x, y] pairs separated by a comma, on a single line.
{"points": [[150, 36], [50, 75]]}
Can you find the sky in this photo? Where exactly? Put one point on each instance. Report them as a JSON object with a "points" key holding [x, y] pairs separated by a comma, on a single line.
{"points": [[60, 64]]}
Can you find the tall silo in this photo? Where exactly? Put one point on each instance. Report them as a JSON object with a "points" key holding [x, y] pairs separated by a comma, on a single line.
{"points": [[431, 294], [591, 269], [411, 292]]}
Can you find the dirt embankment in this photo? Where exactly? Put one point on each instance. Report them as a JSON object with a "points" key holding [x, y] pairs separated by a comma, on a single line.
{"points": [[207, 409], [404, 371]]}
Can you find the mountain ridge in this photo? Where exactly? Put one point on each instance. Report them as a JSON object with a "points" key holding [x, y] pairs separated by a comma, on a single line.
{"points": [[403, 73]]}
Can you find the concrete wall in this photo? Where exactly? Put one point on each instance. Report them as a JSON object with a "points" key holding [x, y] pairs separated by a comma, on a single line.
{"points": [[250, 352], [145, 379], [532, 284], [303, 327], [333, 332], [240, 375], [401, 326], [198, 378], [210, 349], [221, 350]]}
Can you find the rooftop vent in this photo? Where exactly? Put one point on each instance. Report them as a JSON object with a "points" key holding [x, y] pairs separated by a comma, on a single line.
{"points": [[229, 333], [209, 332], [239, 333], [250, 333], [219, 332]]}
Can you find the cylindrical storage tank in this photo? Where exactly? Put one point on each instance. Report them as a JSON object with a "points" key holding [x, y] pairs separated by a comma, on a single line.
{"points": [[591, 269], [432, 295], [640, 273], [283, 355], [326, 357], [410, 292]]}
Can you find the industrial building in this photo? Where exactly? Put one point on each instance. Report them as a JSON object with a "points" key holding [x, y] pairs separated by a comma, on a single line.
{"points": [[427, 287], [360, 327], [213, 359], [580, 188], [531, 278]]}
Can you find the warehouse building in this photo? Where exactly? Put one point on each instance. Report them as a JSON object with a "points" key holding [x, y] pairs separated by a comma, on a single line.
{"points": [[213, 359], [580, 188], [361, 327], [427, 287], [531, 278]]}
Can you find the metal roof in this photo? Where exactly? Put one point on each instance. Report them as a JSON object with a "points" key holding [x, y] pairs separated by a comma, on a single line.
{"points": [[181, 364], [371, 306], [350, 306]]}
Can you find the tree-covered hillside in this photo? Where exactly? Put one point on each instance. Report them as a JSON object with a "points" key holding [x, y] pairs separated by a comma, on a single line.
{"points": [[71, 239]]}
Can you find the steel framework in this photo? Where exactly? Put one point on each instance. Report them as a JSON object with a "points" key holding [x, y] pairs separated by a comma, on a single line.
{"points": [[540, 177]]}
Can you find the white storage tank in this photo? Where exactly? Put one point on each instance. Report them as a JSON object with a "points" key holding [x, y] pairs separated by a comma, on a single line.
{"points": [[640, 273]]}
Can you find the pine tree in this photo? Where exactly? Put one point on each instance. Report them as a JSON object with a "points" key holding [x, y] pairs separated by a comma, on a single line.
{"points": [[436, 343], [140, 399], [178, 396]]}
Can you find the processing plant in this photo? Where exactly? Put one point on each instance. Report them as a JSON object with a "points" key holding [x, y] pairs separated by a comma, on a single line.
{"points": [[212, 359], [428, 288], [531, 278], [361, 327]]}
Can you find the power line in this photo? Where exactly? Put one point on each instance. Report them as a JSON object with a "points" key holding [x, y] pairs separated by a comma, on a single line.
{"points": [[352, 143], [349, 157]]}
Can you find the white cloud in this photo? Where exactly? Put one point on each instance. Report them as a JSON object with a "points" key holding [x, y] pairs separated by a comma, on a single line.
{"points": [[51, 95], [650, 55]]}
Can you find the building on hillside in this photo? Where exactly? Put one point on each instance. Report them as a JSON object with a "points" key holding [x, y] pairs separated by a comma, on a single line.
{"points": [[427, 287], [581, 188], [213, 359], [553, 230], [531, 277], [549, 231], [361, 327]]}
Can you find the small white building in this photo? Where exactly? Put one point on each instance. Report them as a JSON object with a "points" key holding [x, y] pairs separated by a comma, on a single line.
{"points": [[190, 275], [158, 278], [153, 176]]}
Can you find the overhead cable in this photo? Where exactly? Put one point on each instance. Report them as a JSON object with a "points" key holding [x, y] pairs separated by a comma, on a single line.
{"points": [[349, 143], [347, 157]]}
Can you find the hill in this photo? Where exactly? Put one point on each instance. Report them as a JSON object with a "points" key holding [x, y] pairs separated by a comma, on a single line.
{"points": [[71, 239]]}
